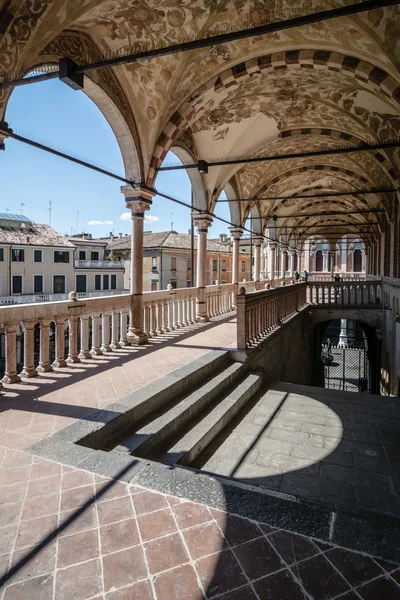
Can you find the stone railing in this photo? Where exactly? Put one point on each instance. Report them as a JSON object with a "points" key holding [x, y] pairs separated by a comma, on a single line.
{"points": [[261, 313], [99, 264], [325, 276], [219, 299], [365, 294], [34, 298]]}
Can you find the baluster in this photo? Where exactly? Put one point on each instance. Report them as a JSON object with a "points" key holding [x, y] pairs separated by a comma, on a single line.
{"points": [[170, 315], [84, 350], [146, 318], [123, 341], [60, 343], [189, 310], [73, 340], [160, 324], [10, 374], [153, 314], [95, 349], [105, 332], [115, 330], [29, 350], [164, 314], [44, 365]]}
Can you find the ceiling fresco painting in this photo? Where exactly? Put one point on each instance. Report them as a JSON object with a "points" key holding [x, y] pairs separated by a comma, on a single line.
{"points": [[330, 84]]}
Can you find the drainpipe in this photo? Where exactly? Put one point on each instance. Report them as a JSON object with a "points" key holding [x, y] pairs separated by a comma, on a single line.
{"points": [[9, 271], [160, 284]]}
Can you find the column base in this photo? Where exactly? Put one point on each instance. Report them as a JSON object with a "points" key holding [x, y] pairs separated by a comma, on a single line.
{"points": [[60, 362], [83, 355], [96, 352], [26, 373], [123, 343], [105, 348], [115, 346], [202, 319], [138, 338], [11, 378], [73, 359], [44, 367]]}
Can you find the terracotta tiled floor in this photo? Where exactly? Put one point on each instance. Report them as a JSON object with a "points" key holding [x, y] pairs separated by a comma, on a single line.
{"points": [[67, 534]]}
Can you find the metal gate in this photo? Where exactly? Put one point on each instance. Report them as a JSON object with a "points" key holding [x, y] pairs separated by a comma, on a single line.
{"points": [[347, 369]]}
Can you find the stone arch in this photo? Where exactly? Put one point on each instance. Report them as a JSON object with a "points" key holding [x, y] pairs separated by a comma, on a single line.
{"points": [[234, 205], [378, 80], [196, 179]]}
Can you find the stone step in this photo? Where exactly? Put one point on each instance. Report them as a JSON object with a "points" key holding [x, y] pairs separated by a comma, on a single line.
{"points": [[189, 447], [159, 431]]}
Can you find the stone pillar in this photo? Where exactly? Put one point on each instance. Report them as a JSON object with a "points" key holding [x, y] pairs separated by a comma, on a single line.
{"points": [[324, 261], [257, 241], [332, 254], [115, 330], [29, 351], [60, 343], [123, 329], [283, 261], [105, 332], [84, 353], [272, 259], [236, 234], [298, 252], [344, 255], [95, 349], [347, 334], [44, 357], [291, 262], [138, 200], [73, 340], [363, 261], [307, 250], [264, 253], [10, 374], [202, 222]]}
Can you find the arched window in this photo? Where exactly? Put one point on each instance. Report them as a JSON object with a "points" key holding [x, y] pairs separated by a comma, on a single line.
{"points": [[319, 260], [357, 261]]}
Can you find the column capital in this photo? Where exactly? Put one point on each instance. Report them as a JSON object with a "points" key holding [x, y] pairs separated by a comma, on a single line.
{"points": [[292, 252], [258, 240], [45, 322], [236, 232], [202, 221], [138, 198], [5, 131], [272, 244]]}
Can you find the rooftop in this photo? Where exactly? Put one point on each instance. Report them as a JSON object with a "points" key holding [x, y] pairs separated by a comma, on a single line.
{"points": [[167, 239], [33, 234]]}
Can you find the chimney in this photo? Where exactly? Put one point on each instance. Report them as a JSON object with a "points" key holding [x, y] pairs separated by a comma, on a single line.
{"points": [[126, 235], [120, 235], [111, 235]]}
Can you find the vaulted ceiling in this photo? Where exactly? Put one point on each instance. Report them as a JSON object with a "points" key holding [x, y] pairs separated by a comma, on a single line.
{"points": [[327, 85]]}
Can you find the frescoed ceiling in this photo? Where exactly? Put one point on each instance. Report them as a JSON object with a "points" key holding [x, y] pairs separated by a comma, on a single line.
{"points": [[326, 85]]}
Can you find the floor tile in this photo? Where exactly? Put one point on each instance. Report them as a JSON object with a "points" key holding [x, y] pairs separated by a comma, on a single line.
{"points": [[7, 537], [188, 514], [165, 553], [75, 497], [156, 524], [291, 547], [73, 479], [219, 573], [40, 506], [77, 548], [12, 493], [35, 588], [243, 593], [117, 536], [74, 521], [314, 573], [380, 589], [114, 510], [123, 568], [258, 558], [237, 530], [33, 532], [138, 591], [355, 568], [79, 581], [32, 562], [279, 586], [43, 487], [147, 502], [203, 539], [178, 584]]}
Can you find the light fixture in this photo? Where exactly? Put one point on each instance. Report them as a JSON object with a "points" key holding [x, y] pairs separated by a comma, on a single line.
{"points": [[202, 166]]}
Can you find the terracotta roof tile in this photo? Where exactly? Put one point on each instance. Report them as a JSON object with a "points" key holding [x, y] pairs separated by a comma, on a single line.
{"points": [[33, 235], [166, 239]]}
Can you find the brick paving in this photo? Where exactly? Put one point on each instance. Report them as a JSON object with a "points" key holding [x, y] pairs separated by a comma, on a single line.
{"points": [[70, 534]]}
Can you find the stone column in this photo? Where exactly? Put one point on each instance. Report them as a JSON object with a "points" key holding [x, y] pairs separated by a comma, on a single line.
{"points": [[298, 252], [73, 340], [307, 250], [10, 374], [105, 332], [123, 329], [84, 353], [202, 222], [324, 261], [283, 261], [138, 200], [271, 259], [344, 255], [95, 349], [257, 241], [44, 358], [291, 262], [29, 359], [236, 234], [264, 253], [60, 343], [332, 254], [115, 330]]}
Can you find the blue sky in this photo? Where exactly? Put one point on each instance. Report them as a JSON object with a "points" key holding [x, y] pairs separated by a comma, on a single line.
{"points": [[54, 114]]}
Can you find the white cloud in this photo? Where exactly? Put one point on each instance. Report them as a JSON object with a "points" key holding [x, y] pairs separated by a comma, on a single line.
{"points": [[148, 218], [93, 222]]}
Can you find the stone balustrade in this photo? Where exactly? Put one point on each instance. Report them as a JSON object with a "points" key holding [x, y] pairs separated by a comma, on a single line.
{"points": [[365, 294]]}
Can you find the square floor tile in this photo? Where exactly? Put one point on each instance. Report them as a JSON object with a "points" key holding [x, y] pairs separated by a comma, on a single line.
{"points": [[314, 573], [219, 573], [9, 514], [204, 539], [243, 593], [237, 530], [123, 568], [117, 536], [74, 521], [12, 493], [380, 589], [292, 547], [7, 537], [79, 582], [147, 502], [178, 584], [189, 514], [279, 586], [165, 553], [32, 562], [138, 591], [73, 479], [355, 568], [258, 558], [115, 510], [77, 548], [35, 588], [76, 497], [43, 487], [156, 524], [40, 506], [110, 489]]}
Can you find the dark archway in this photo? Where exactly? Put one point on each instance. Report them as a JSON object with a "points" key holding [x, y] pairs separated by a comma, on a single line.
{"points": [[319, 260], [357, 261]]}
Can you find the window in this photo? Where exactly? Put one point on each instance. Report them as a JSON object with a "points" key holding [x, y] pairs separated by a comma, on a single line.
{"points": [[189, 264], [38, 284], [97, 282], [154, 285], [18, 255], [106, 282], [154, 263], [243, 266], [37, 256], [58, 284], [94, 256], [81, 283], [113, 282], [188, 283], [82, 255], [173, 263], [223, 265], [1, 254], [173, 283], [17, 284], [215, 265], [61, 257]]}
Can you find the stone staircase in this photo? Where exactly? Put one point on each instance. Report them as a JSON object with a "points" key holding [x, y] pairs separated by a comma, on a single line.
{"points": [[178, 431]]}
